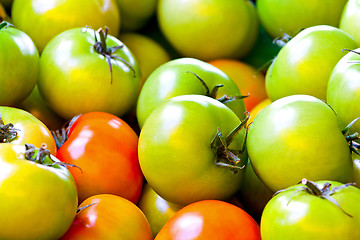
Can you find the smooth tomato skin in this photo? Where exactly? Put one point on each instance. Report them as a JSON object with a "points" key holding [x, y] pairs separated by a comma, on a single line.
{"points": [[176, 78], [109, 217], [149, 53], [209, 29], [349, 21], [310, 217], [298, 137], [343, 91], [156, 209], [247, 78], [37, 201], [105, 148], [31, 129], [70, 63], [44, 19], [19, 61], [258, 108], [273, 12], [210, 219], [175, 151], [292, 72], [356, 166]]}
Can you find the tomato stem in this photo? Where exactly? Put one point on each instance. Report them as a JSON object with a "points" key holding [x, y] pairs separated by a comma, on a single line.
{"points": [[7, 132], [325, 192], [234, 159], [101, 48], [4, 25]]}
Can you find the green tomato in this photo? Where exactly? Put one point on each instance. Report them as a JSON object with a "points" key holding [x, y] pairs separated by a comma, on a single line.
{"points": [[19, 65], [136, 14], [37, 201], [156, 209], [350, 19], [298, 137], [298, 213], [179, 77], [182, 150], [44, 19], [343, 90], [209, 29], [28, 128], [291, 16], [75, 75], [149, 53], [356, 165], [304, 64]]}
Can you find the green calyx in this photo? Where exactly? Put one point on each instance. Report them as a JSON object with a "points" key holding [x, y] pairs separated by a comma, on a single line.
{"points": [[213, 92], [108, 52], [7, 132], [233, 159], [350, 138]]}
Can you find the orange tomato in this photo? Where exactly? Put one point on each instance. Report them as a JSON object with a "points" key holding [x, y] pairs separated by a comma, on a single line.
{"points": [[210, 219], [107, 216], [250, 81]]}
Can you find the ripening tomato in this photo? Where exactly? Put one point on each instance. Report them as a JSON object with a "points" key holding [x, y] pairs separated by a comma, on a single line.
{"points": [[209, 29], [107, 217], [191, 148], [38, 198], [104, 147], [83, 70], [319, 210], [25, 129], [295, 137], [210, 220], [187, 76], [350, 19], [44, 19], [19, 65], [304, 64]]}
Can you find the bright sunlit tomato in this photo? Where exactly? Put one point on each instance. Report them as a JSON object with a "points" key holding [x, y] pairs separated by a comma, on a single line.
{"points": [[104, 147], [210, 220], [44, 19], [107, 216], [38, 201]]}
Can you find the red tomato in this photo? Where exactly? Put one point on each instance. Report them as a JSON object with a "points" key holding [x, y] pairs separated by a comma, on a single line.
{"points": [[210, 219], [107, 216], [105, 148]]}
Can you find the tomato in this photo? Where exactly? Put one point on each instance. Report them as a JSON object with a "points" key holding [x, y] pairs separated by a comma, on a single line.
{"points": [[291, 16], [44, 19], [306, 213], [247, 78], [343, 91], [292, 72], [135, 14], [349, 21], [356, 165], [210, 219], [28, 128], [3, 14], [209, 29], [107, 216], [179, 77], [298, 137], [184, 150], [18, 52], [156, 209], [76, 77], [36, 105], [104, 147], [147, 51], [38, 201]]}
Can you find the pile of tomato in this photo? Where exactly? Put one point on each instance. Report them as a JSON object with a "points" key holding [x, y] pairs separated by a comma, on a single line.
{"points": [[173, 119]]}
